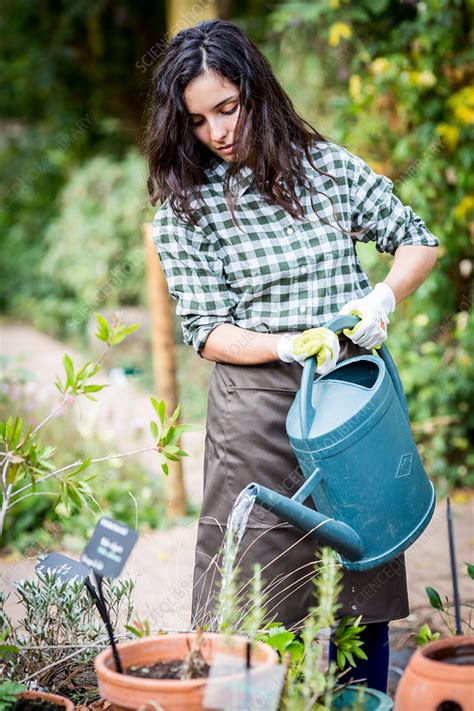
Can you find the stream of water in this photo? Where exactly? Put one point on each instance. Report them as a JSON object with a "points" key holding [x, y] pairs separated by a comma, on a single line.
{"points": [[236, 525]]}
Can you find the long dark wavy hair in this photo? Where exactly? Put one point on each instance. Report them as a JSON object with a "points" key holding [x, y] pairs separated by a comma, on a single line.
{"points": [[269, 135]]}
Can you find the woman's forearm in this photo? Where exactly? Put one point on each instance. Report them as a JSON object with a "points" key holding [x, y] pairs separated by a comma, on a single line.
{"points": [[411, 265], [230, 344]]}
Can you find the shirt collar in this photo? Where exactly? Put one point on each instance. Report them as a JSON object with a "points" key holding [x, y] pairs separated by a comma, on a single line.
{"points": [[217, 172], [242, 180]]}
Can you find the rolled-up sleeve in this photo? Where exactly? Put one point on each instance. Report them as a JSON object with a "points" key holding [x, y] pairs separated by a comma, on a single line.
{"points": [[381, 215], [195, 277]]}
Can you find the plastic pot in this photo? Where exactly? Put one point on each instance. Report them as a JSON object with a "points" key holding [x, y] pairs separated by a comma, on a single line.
{"points": [[124, 691], [368, 699], [50, 698], [439, 676]]}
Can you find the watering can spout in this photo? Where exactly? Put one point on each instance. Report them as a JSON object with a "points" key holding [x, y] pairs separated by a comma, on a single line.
{"points": [[327, 530]]}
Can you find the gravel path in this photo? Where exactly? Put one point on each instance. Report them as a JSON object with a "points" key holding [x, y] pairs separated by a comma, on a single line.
{"points": [[161, 563]]}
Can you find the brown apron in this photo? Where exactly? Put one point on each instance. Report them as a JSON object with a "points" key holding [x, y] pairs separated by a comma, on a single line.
{"points": [[246, 441]]}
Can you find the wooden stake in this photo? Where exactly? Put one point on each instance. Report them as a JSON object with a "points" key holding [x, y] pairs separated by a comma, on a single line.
{"points": [[186, 13], [164, 362]]}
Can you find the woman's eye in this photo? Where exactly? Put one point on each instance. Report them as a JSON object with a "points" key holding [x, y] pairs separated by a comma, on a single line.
{"points": [[196, 124]]}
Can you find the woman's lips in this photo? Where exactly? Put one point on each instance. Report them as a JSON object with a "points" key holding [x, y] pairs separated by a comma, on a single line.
{"points": [[227, 149]]}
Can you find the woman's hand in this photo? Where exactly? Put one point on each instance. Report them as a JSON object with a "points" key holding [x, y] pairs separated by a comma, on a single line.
{"points": [[374, 311], [321, 342], [411, 265]]}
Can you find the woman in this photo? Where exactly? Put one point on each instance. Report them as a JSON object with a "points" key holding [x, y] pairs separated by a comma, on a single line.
{"points": [[256, 236]]}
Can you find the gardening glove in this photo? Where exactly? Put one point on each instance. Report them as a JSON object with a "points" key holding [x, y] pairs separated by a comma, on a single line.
{"points": [[373, 310], [321, 342]]}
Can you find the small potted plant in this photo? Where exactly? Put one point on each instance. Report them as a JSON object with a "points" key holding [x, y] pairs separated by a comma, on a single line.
{"points": [[14, 697], [172, 669], [441, 671]]}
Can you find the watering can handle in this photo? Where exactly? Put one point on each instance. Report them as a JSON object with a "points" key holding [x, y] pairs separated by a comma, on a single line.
{"points": [[307, 411]]}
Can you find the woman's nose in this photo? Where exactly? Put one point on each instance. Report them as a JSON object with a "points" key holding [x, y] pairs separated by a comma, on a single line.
{"points": [[217, 131]]}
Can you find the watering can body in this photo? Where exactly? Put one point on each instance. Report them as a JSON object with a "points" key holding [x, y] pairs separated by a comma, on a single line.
{"points": [[350, 432]]}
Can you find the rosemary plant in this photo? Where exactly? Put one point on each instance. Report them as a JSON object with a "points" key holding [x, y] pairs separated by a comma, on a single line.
{"points": [[53, 645]]}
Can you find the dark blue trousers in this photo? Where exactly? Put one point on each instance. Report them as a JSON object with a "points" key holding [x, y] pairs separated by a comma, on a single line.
{"points": [[373, 671]]}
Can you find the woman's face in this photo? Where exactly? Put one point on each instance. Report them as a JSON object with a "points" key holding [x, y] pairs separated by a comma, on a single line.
{"points": [[213, 107]]}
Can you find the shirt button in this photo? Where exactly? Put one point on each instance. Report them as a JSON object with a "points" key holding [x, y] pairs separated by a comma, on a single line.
{"points": [[289, 230], [304, 270], [302, 309]]}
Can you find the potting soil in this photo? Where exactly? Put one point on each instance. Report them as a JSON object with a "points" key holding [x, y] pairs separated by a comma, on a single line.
{"points": [[165, 670], [35, 705]]}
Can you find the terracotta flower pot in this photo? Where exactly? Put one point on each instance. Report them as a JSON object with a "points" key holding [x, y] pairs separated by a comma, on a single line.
{"points": [[129, 692], [439, 673], [50, 698]]}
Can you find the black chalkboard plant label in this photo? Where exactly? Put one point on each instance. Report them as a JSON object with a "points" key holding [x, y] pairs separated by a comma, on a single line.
{"points": [[63, 567], [104, 556], [109, 547]]}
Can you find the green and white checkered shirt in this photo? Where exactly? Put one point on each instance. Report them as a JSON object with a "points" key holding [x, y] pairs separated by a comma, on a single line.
{"points": [[279, 273]]}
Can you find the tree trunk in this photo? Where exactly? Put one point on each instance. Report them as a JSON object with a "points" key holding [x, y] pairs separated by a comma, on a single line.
{"points": [[164, 363], [186, 13]]}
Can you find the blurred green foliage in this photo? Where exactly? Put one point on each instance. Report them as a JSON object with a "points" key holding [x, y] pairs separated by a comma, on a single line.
{"points": [[101, 210], [121, 488]]}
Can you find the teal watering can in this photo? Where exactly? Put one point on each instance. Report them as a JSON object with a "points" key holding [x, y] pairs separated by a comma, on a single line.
{"points": [[350, 431]]}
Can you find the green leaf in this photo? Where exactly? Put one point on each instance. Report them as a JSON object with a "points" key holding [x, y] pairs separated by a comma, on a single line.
{"points": [[16, 434], [165, 468], [59, 385], [280, 640], [434, 598], [171, 457], [171, 436], [470, 570], [175, 415], [154, 429], [69, 368], [341, 659], [160, 409], [120, 332], [80, 468], [359, 652], [8, 649], [170, 449], [130, 329], [350, 658], [134, 630], [103, 328], [296, 651], [426, 635], [8, 692], [75, 495], [93, 388], [83, 372]]}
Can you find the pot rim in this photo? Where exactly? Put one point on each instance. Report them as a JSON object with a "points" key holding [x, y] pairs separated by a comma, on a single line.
{"points": [[57, 699], [109, 675], [455, 672]]}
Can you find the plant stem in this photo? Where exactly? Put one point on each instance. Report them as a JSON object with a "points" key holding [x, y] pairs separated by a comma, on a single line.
{"points": [[64, 659], [7, 492], [52, 414], [77, 464]]}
